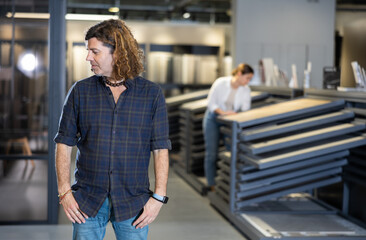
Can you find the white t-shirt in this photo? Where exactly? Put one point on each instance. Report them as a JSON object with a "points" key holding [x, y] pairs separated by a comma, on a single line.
{"points": [[220, 91], [229, 103]]}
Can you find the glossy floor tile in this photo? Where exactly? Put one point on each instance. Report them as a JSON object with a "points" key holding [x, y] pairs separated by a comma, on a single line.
{"points": [[188, 215]]}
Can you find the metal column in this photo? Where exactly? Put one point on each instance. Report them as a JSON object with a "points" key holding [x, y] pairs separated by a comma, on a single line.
{"points": [[56, 94]]}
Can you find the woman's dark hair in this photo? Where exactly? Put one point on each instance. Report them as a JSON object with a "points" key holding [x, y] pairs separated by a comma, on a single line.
{"points": [[127, 55], [243, 68]]}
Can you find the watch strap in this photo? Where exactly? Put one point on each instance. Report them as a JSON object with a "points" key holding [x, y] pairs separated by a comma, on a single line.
{"points": [[163, 199]]}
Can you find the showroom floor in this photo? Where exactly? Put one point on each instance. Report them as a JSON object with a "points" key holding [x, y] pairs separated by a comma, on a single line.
{"points": [[188, 215]]}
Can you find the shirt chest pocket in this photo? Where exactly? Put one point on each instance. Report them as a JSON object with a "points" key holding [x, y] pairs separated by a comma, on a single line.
{"points": [[95, 116], [137, 113], [137, 120]]}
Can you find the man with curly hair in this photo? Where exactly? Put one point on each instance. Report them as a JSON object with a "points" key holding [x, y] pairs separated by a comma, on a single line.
{"points": [[116, 119]]}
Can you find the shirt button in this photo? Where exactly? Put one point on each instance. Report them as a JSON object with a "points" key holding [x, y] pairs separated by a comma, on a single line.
{"points": [[110, 172], [112, 152], [114, 131]]}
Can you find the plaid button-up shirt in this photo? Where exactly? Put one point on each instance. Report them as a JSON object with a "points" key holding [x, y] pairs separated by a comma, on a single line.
{"points": [[114, 142]]}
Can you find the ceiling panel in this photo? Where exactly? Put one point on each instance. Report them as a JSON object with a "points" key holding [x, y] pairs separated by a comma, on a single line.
{"points": [[212, 11]]}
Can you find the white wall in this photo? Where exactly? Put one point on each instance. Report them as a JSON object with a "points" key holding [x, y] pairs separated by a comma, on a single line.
{"points": [[289, 31], [146, 33], [160, 32]]}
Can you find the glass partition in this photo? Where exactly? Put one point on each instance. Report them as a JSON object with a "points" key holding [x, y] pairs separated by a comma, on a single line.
{"points": [[23, 114]]}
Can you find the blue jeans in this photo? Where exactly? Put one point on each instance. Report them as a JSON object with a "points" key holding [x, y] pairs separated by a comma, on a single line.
{"points": [[212, 136], [95, 227]]}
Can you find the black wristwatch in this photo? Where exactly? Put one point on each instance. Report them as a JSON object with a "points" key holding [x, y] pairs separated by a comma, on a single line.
{"points": [[163, 199]]}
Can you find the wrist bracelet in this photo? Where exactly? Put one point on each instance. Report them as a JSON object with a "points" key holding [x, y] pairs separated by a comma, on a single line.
{"points": [[62, 196]]}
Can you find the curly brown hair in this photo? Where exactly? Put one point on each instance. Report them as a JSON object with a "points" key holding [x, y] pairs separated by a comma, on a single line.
{"points": [[127, 55]]}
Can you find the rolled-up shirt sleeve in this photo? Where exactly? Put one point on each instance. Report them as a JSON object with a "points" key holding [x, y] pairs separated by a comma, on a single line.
{"points": [[68, 131], [160, 124]]}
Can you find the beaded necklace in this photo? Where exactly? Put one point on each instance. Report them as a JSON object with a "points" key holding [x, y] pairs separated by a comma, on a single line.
{"points": [[116, 84]]}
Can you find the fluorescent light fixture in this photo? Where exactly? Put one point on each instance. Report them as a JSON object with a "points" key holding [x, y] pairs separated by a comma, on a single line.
{"points": [[69, 16], [89, 17], [113, 9], [29, 15]]}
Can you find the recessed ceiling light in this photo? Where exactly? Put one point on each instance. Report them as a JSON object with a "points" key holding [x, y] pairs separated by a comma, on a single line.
{"points": [[113, 9]]}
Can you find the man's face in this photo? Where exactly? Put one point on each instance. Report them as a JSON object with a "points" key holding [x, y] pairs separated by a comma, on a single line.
{"points": [[100, 58]]}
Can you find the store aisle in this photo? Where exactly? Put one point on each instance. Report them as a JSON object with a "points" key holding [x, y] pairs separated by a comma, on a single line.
{"points": [[190, 216], [187, 216]]}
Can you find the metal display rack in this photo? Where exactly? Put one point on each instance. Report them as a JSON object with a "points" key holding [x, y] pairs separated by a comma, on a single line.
{"points": [[190, 163], [290, 147], [355, 171], [354, 174], [279, 92], [173, 105], [192, 152]]}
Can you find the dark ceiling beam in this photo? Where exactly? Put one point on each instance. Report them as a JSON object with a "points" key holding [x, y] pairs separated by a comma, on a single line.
{"points": [[172, 8], [351, 8], [121, 7], [183, 4], [206, 10]]}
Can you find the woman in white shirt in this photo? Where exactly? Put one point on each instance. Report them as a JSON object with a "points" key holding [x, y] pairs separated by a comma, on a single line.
{"points": [[228, 95]]}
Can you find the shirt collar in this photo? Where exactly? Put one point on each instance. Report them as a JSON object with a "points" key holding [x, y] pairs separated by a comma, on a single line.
{"points": [[129, 83]]}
